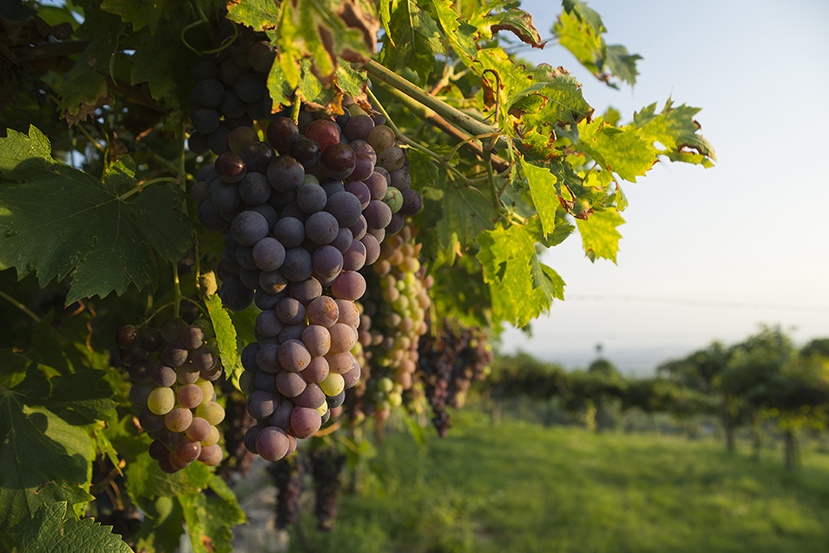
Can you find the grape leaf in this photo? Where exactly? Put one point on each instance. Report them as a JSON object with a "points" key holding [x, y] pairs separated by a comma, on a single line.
{"points": [[225, 339], [139, 14], [518, 22], [460, 34], [245, 324], [543, 192], [54, 529], [162, 526], [676, 130], [558, 100], [581, 30], [147, 482], [599, 235], [168, 76], [210, 519], [261, 15], [622, 150], [521, 288], [324, 30], [44, 458], [58, 220], [416, 39], [464, 215]]}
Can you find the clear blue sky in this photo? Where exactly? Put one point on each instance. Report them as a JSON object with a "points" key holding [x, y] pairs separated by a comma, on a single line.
{"points": [[753, 229]]}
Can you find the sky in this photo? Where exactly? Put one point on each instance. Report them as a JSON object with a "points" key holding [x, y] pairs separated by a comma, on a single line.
{"points": [[707, 254]]}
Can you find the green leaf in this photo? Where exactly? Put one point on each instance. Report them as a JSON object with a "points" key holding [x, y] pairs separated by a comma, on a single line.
{"points": [[161, 528], [559, 100], [460, 34], [543, 191], [225, 339], [599, 235], [261, 15], [167, 75], [676, 130], [520, 287], [463, 213], [146, 481], [581, 30], [416, 39], [324, 30], [622, 150], [43, 458], [54, 529], [140, 14], [622, 64], [245, 324], [58, 220], [210, 519], [516, 21]]}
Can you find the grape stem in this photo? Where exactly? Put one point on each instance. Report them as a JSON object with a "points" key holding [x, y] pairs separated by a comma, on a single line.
{"points": [[411, 143], [453, 115], [429, 116], [20, 306], [145, 184]]}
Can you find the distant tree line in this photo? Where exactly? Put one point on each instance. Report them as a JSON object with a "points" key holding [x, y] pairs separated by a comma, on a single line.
{"points": [[764, 378]]}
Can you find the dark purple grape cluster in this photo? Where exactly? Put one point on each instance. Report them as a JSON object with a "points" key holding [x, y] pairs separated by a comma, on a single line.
{"points": [[173, 368], [449, 361], [287, 477], [326, 468], [231, 91]]}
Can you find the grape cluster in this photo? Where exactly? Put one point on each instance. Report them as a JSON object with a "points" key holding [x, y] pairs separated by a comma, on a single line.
{"points": [[287, 477], [231, 91], [173, 368], [395, 320], [449, 360], [294, 246], [326, 468]]}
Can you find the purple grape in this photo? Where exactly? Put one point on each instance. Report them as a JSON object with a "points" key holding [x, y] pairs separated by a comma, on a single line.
{"points": [[268, 254], [268, 324], [358, 229], [273, 283], [350, 285], [290, 384], [281, 133], [290, 311], [290, 232], [249, 227], [325, 133], [266, 358], [235, 295], [360, 190], [306, 151], [257, 156], [358, 127], [285, 174], [293, 356], [322, 227], [355, 257], [272, 443], [306, 291], [346, 207], [327, 262], [339, 161], [297, 265], [311, 198]]}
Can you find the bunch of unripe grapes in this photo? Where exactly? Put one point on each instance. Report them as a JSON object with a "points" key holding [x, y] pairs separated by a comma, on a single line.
{"points": [[173, 369], [399, 301]]}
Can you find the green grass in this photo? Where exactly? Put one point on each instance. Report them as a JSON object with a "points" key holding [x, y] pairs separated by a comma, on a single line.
{"points": [[520, 487]]}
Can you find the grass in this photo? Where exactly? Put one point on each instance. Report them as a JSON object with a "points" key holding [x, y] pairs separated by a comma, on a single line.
{"points": [[521, 487]]}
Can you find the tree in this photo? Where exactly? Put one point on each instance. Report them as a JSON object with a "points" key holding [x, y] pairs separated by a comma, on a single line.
{"points": [[702, 372], [112, 112]]}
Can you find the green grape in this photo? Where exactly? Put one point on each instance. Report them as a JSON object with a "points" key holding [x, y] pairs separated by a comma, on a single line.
{"points": [[161, 401]]}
